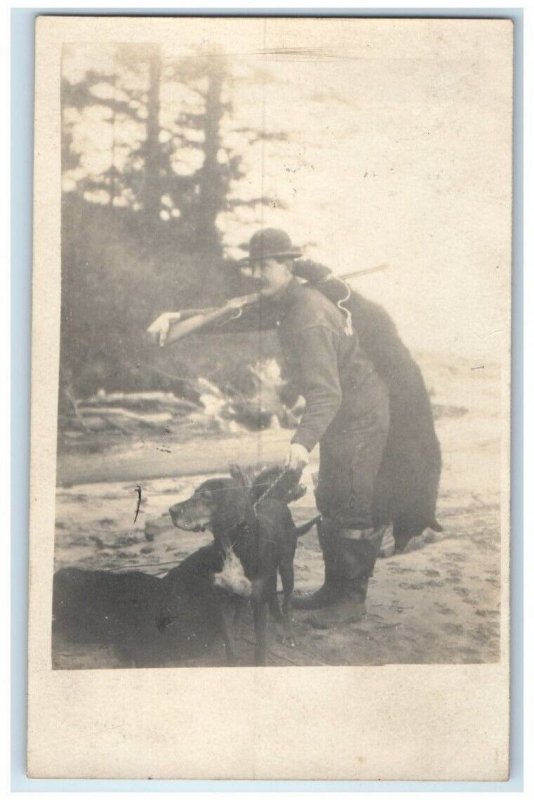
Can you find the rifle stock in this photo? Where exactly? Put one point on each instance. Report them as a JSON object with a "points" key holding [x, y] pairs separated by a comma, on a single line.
{"points": [[199, 320]]}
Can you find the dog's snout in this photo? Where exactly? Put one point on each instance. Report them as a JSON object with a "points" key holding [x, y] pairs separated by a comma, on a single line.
{"points": [[190, 515], [175, 511]]}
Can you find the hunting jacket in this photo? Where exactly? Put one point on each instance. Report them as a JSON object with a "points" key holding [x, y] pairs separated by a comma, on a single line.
{"points": [[326, 364]]}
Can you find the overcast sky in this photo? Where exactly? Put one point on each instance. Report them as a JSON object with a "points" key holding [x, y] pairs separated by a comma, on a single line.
{"points": [[399, 153]]}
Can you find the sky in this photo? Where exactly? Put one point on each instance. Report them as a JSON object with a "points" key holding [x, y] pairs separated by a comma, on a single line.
{"points": [[399, 153]]}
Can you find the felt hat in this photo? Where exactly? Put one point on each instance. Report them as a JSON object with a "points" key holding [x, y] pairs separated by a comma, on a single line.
{"points": [[270, 243]]}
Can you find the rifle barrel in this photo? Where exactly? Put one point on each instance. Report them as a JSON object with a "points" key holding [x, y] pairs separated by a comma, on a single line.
{"points": [[348, 275]]}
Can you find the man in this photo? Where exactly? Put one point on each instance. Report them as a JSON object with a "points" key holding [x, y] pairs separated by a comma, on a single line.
{"points": [[346, 414]]}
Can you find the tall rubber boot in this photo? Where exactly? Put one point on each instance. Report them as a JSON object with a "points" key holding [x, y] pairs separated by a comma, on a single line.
{"points": [[329, 591], [356, 552]]}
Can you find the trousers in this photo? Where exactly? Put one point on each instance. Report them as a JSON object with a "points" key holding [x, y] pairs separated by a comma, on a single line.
{"points": [[350, 454]]}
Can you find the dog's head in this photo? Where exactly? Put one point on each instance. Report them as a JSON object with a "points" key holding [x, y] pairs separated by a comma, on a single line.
{"points": [[195, 513], [217, 503]]}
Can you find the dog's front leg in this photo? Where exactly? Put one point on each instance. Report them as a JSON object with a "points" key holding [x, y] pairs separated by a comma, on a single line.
{"points": [[288, 582], [228, 629], [260, 630]]}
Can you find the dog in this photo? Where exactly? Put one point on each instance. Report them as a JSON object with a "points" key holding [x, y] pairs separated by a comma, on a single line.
{"points": [[256, 537], [143, 620]]}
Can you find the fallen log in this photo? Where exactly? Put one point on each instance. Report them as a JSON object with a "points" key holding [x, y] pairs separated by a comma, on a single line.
{"points": [[148, 400], [150, 420]]}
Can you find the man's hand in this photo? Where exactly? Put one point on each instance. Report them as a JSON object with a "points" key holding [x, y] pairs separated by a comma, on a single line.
{"points": [[159, 330], [297, 457]]}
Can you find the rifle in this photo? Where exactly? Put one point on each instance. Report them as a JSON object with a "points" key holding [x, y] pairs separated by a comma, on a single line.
{"points": [[178, 324], [181, 323]]}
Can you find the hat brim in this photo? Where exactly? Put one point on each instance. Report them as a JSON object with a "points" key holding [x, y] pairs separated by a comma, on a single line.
{"points": [[281, 254]]}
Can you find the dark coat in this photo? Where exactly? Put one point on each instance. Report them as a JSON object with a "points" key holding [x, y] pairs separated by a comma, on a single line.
{"points": [[328, 367], [347, 403]]}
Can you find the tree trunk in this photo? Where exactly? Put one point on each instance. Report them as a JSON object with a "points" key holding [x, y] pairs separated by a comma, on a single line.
{"points": [[151, 188], [211, 183]]}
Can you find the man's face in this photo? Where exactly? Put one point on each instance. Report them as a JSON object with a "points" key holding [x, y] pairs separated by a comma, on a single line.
{"points": [[271, 275]]}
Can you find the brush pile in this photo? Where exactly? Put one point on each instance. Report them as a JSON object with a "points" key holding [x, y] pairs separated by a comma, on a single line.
{"points": [[203, 406]]}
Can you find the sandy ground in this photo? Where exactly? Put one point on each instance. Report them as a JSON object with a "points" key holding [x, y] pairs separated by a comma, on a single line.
{"points": [[436, 603]]}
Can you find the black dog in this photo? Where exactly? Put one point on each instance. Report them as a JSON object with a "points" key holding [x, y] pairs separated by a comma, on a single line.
{"points": [[256, 537], [147, 621]]}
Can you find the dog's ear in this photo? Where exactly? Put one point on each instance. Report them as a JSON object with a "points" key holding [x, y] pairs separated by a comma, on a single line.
{"points": [[239, 476]]}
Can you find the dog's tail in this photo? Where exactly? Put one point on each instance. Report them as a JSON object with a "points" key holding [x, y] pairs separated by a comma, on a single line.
{"points": [[303, 529]]}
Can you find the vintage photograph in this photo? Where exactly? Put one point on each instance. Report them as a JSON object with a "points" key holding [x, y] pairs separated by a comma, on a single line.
{"points": [[270, 467], [283, 355]]}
